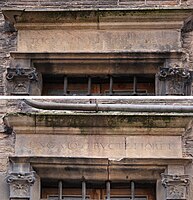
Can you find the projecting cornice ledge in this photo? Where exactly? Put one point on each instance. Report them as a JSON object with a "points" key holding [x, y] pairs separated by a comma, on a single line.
{"points": [[170, 18]]}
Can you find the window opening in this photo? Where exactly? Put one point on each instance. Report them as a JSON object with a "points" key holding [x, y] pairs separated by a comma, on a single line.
{"points": [[100, 191], [119, 85]]}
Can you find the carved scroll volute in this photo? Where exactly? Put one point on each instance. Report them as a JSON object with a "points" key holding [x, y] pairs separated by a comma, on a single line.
{"points": [[20, 80], [20, 184], [176, 186], [173, 81]]}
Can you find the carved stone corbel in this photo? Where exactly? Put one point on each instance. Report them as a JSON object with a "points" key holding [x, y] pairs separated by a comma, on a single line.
{"points": [[20, 80], [176, 186], [174, 81], [20, 184]]}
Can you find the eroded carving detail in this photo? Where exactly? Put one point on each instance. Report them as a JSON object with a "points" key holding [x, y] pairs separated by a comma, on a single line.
{"points": [[176, 186], [21, 72], [20, 190], [188, 141], [169, 72], [29, 177], [176, 81], [20, 80], [20, 184]]}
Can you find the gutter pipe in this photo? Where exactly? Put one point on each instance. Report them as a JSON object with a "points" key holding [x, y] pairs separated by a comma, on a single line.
{"points": [[109, 107]]}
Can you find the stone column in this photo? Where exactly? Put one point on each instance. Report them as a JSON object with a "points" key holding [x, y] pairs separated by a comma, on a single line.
{"points": [[20, 184], [176, 186]]}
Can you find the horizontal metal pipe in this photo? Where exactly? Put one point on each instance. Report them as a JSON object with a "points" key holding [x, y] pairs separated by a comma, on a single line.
{"points": [[109, 107]]}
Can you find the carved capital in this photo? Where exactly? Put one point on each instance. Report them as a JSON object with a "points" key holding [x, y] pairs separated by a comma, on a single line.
{"points": [[20, 184], [176, 186], [20, 80], [19, 72], [171, 72], [174, 81]]}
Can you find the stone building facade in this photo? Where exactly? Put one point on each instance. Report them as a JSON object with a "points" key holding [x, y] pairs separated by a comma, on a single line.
{"points": [[96, 148], [48, 47]]}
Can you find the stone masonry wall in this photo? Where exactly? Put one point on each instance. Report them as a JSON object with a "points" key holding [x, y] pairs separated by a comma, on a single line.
{"points": [[6, 149], [7, 43]]}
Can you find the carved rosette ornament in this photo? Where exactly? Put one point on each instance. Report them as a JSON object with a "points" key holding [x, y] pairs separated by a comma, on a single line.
{"points": [[176, 186], [175, 81], [20, 79], [20, 184]]}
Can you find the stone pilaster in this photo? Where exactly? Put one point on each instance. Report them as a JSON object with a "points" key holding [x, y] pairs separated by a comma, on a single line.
{"points": [[176, 186], [20, 184]]}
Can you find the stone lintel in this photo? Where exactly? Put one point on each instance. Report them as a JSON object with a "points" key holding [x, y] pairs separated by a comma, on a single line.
{"points": [[95, 63], [87, 168], [87, 56], [38, 160]]}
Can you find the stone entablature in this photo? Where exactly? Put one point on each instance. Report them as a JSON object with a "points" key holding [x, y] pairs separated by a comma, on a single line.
{"points": [[101, 30], [123, 136]]}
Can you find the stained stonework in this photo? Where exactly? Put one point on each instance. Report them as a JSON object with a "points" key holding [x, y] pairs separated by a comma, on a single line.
{"points": [[98, 40], [7, 43], [113, 147]]}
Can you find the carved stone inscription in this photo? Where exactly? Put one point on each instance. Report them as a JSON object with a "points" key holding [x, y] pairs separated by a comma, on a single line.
{"points": [[99, 146], [97, 40]]}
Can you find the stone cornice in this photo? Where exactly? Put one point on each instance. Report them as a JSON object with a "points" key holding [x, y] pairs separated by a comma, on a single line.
{"points": [[98, 18], [79, 123]]}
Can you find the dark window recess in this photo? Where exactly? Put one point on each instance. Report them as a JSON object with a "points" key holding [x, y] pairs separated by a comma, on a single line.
{"points": [[86, 190], [98, 85]]}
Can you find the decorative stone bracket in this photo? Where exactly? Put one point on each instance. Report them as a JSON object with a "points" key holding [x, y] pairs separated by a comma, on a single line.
{"points": [[174, 81], [20, 184], [176, 186], [20, 80]]}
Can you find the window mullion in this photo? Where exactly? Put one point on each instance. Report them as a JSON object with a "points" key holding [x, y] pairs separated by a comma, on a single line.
{"points": [[134, 85], [83, 190], [132, 190], [60, 190], [65, 85], [108, 188], [111, 86], [89, 85]]}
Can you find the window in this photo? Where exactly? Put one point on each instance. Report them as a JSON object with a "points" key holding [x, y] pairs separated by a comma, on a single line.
{"points": [[73, 190], [119, 85]]}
